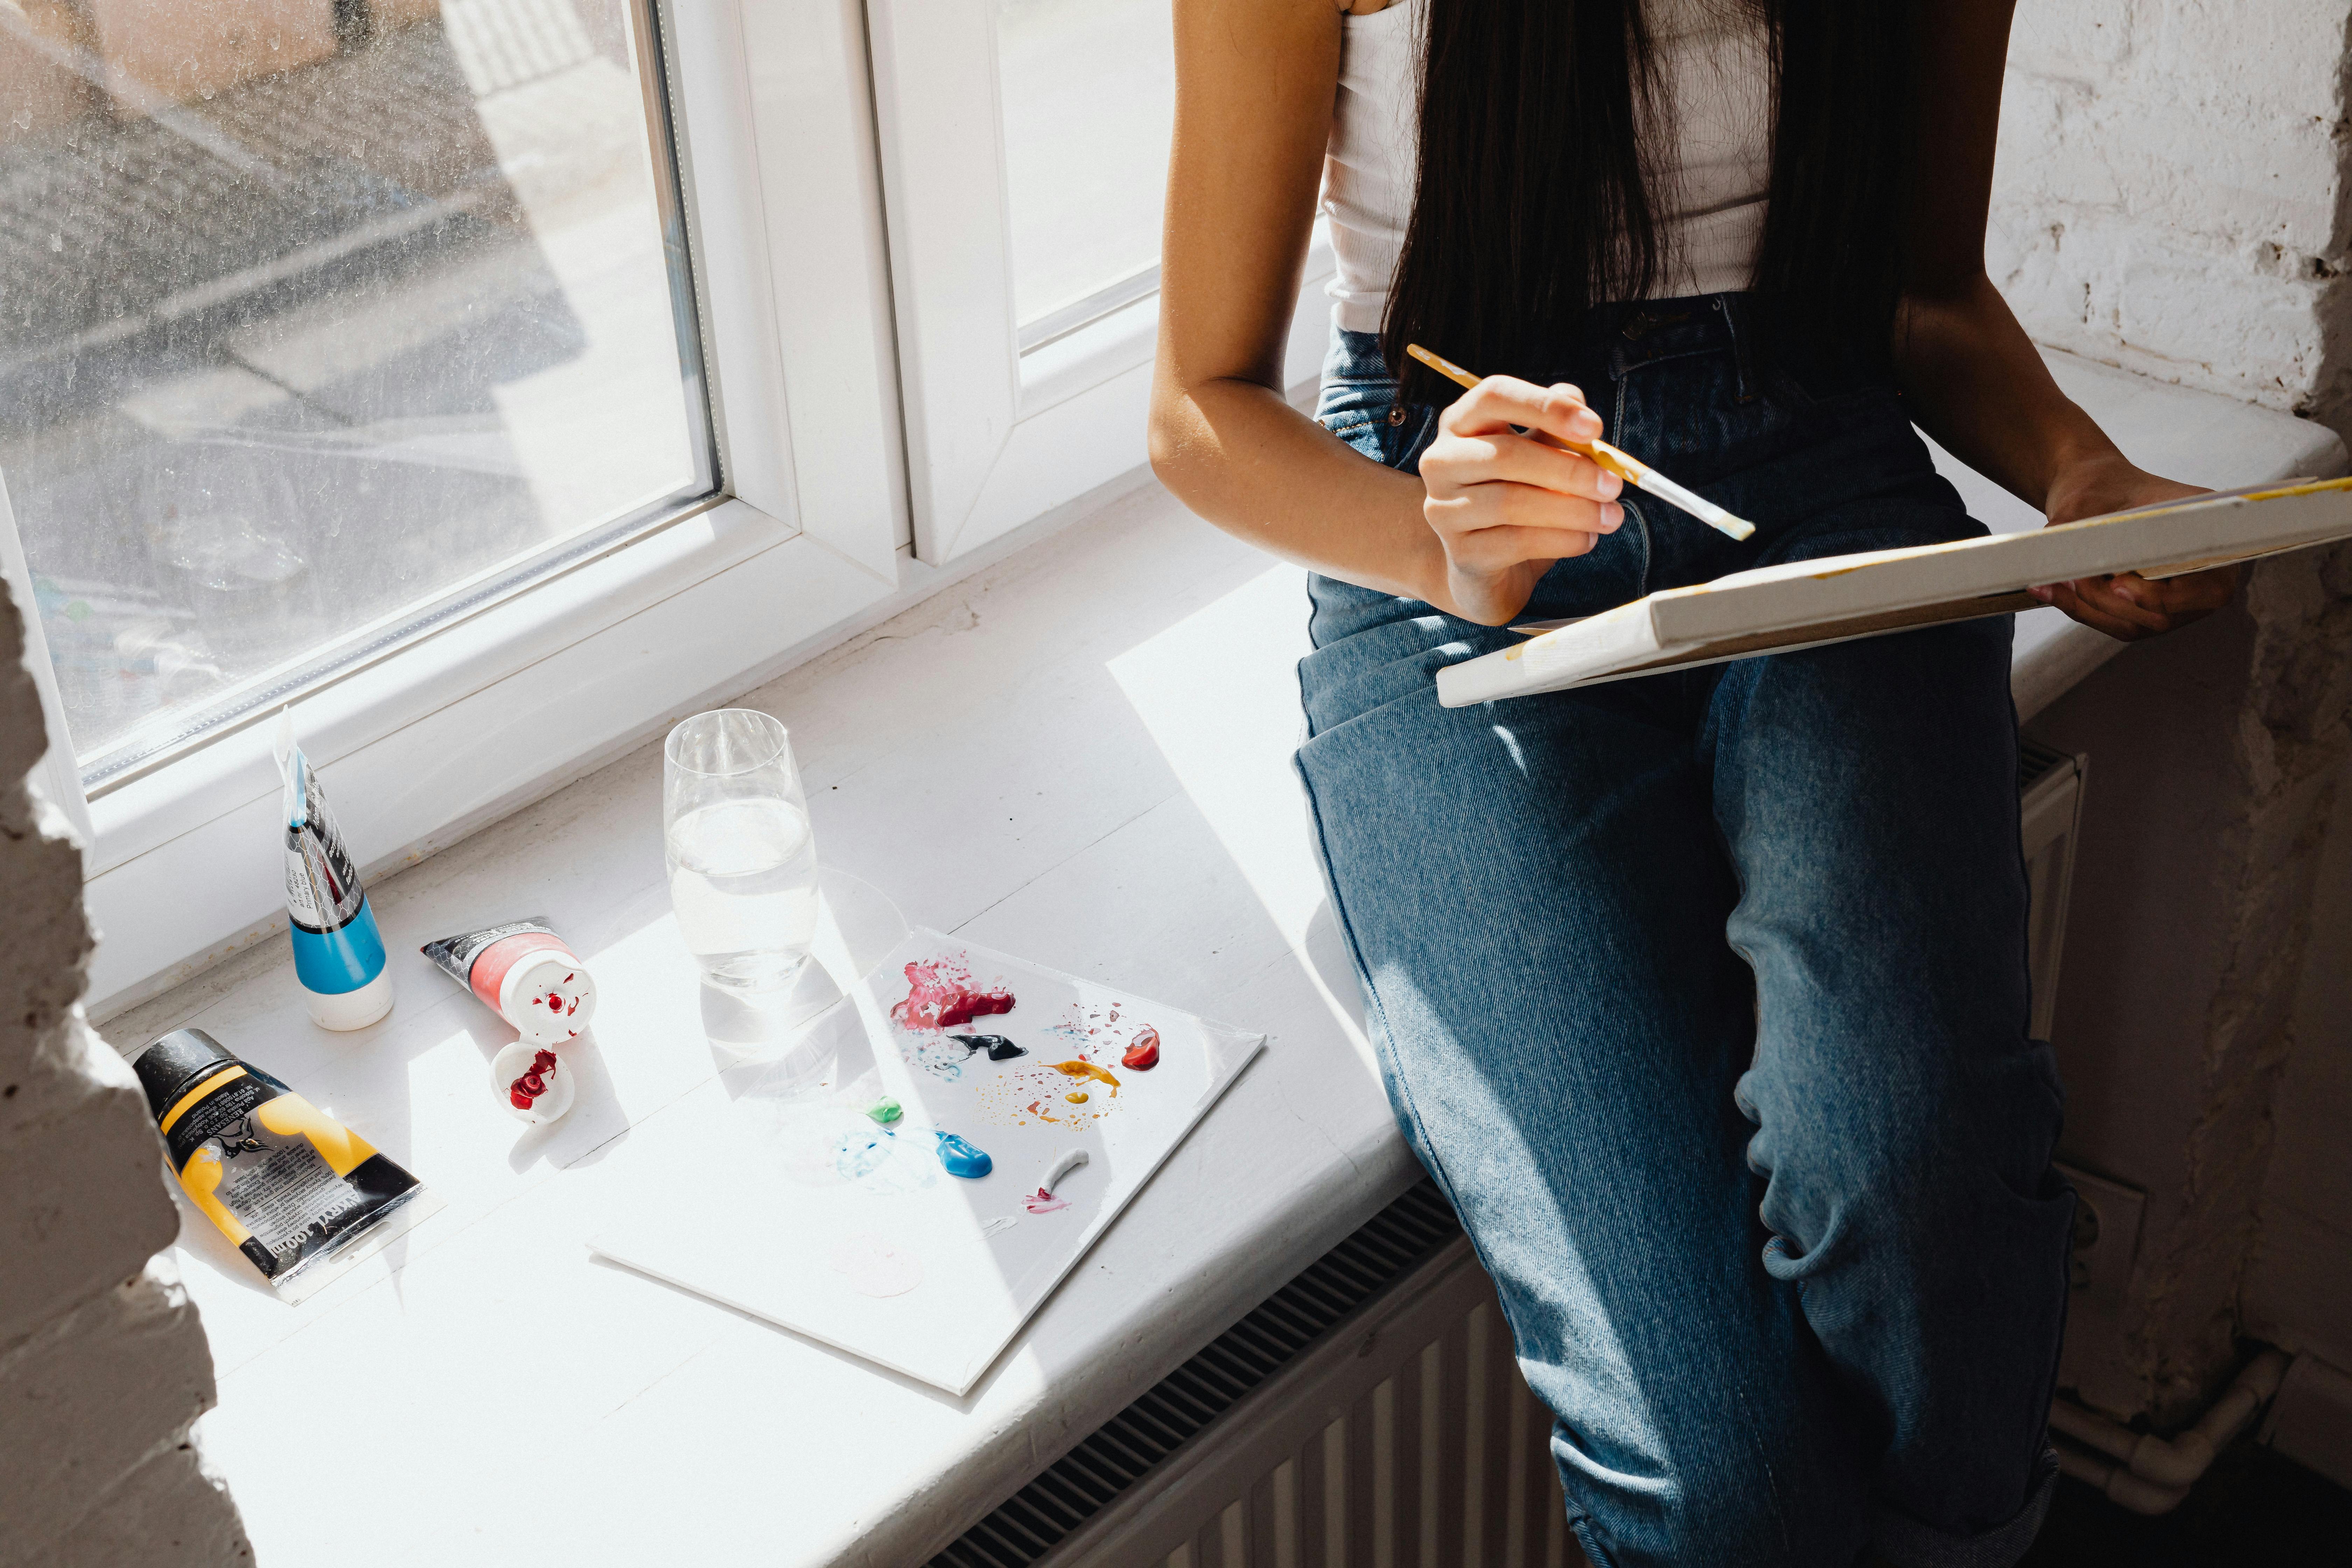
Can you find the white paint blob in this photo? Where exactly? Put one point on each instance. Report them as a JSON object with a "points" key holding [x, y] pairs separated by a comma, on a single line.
{"points": [[1062, 1167]]}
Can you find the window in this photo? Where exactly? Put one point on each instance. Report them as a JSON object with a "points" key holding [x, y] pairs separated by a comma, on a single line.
{"points": [[488, 380], [1025, 156], [1084, 209], [324, 324], [493, 380]]}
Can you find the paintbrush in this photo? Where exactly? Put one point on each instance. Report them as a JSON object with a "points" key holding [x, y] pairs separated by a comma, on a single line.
{"points": [[1623, 464]]}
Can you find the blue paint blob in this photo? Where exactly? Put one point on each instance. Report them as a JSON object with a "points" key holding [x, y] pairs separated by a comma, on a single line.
{"points": [[962, 1159]]}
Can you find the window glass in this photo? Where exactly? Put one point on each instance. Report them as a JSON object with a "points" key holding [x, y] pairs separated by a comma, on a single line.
{"points": [[323, 322], [1090, 95]]}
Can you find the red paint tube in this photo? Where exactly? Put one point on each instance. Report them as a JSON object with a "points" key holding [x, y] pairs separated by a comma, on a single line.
{"points": [[523, 971]]}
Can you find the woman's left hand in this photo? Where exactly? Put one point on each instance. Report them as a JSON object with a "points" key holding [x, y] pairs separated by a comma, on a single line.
{"points": [[2126, 605]]}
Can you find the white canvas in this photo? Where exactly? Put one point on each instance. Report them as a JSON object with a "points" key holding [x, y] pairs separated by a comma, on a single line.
{"points": [[801, 1209], [1804, 604]]}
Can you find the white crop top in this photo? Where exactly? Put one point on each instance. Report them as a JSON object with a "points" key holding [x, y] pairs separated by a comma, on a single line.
{"points": [[1714, 58]]}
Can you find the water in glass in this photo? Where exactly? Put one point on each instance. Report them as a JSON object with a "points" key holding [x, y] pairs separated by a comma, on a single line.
{"points": [[742, 860]]}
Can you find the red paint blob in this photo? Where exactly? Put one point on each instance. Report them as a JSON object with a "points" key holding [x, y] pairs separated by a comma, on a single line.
{"points": [[532, 1084], [543, 1060], [1144, 1053], [967, 1007], [940, 995], [519, 1100]]}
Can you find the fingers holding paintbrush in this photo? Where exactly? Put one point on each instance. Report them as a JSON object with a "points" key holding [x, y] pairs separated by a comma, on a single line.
{"points": [[1623, 465], [1507, 492]]}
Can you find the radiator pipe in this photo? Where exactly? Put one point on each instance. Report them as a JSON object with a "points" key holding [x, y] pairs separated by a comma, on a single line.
{"points": [[2149, 1474]]}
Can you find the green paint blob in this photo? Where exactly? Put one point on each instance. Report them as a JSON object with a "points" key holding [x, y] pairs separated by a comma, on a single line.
{"points": [[883, 1111]]}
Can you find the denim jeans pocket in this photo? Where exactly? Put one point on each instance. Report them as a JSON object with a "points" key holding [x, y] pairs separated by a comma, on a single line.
{"points": [[1365, 414]]}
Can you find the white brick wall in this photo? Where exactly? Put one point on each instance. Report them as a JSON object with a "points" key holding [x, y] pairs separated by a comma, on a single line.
{"points": [[2166, 193], [102, 1362]]}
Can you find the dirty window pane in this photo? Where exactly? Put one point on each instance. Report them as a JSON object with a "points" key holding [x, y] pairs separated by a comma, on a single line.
{"points": [[322, 321], [1090, 95]]}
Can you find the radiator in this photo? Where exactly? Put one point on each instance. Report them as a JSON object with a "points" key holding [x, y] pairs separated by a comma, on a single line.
{"points": [[2050, 813], [1369, 1414]]}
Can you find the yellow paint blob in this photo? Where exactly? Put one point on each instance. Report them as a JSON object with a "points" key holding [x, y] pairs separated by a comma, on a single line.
{"points": [[1078, 1099], [1084, 1069]]}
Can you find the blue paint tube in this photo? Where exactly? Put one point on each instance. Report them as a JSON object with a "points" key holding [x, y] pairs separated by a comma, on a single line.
{"points": [[338, 952]]}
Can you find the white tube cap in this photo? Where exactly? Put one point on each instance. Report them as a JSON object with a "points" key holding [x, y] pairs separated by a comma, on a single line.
{"points": [[353, 1009], [548, 996], [508, 1068]]}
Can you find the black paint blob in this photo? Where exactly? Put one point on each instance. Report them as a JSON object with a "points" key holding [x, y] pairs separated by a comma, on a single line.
{"points": [[999, 1048]]}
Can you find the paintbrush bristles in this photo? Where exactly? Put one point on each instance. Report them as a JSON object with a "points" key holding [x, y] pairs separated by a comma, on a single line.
{"points": [[1624, 465]]}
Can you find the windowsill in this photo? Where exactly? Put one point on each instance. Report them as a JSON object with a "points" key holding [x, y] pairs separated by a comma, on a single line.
{"points": [[1100, 725], [1081, 754]]}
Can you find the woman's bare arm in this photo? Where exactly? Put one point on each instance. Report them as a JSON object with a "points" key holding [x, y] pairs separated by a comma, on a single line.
{"points": [[1255, 82], [1971, 376]]}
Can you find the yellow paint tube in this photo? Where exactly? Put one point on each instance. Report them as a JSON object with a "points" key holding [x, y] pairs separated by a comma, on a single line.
{"points": [[300, 1193]]}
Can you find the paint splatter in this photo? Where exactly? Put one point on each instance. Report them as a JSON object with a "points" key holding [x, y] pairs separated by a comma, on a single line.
{"points": [[940, 994], [855, 1158], [838, 1146], [941, 1057], [1043, 1202], [883, 1111], [1143, 1052], [873, 1267], [999, 1048], [1085, 1070], [1022, 1094], [962, 1159]]}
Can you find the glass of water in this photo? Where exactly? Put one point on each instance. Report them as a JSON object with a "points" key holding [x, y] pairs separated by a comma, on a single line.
{"points": [[742, 861]]}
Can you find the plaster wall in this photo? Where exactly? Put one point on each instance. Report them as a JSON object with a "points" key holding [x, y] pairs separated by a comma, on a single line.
{"points": [[2301, 1276], [2196, 977], [103, 1363]]}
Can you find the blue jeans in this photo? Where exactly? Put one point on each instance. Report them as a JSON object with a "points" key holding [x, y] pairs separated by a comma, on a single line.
{"points": [[1703, 996]]}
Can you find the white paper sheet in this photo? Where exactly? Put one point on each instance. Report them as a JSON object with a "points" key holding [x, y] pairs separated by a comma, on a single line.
{"points": [[806, 1212]]}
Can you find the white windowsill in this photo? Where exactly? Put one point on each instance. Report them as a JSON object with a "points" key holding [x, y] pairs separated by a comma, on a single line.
{"points": [[1079, 754]]}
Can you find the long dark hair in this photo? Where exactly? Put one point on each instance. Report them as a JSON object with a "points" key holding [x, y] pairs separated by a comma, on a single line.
{"points": [[1538, 199]]}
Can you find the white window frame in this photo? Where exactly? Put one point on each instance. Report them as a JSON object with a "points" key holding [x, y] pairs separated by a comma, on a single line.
{"points": [[995, 437], [772, 120]]}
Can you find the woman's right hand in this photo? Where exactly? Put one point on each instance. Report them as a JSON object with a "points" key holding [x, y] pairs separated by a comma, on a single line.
{"points": [[1506, 506]]}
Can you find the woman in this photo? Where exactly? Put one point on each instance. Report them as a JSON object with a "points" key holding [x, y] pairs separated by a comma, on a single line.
{"points": [[1704, 994]]}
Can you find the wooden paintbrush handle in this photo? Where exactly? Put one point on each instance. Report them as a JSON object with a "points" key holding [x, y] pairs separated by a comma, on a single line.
{"points": [[1623, 464]]}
